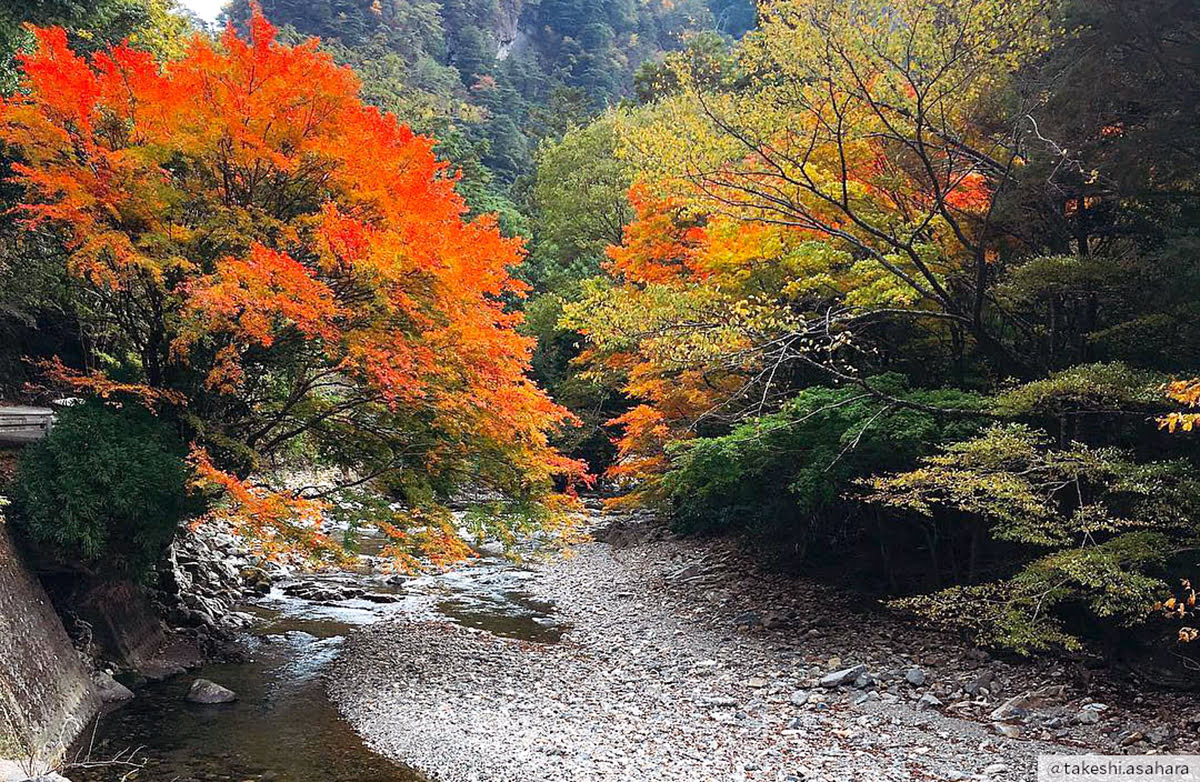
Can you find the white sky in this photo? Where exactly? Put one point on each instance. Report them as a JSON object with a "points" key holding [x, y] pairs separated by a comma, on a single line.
{"points": [[205, 9]]}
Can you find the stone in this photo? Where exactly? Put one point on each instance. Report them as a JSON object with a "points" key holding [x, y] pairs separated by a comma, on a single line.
{"points": [[983, 681], [843, 676], [1012, 710], [748, 619], [1045, 696], [773, 620], [1004, 729], [720, 701], [207, 692], [915, 677], [798, 698], [381, 597], [757, 682], [995, 768], [928, 700], [110, 690], [1088, 717]]}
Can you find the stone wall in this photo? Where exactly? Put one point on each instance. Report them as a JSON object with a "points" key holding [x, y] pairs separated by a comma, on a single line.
{"points": [[46, 695]]}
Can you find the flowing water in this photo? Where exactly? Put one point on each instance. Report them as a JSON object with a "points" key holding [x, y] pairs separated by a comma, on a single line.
{"points": [[283, 728]]}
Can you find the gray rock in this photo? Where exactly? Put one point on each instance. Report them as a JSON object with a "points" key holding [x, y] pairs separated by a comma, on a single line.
{"points": [[798, 698], [381, 597], [983, 681], [110, 690], [1088, 717], [1012, 710], [928, 700], [748, 619], [773, 620], [843, 676], [1004, 729], [720, 701], [995, 768], [915, 677], [205, 691]]}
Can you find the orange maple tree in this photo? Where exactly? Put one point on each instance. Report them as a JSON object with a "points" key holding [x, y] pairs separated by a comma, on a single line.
{"points": [[297, 265]]}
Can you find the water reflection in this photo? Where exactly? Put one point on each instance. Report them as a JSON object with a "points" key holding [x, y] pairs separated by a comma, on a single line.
{"points": [[283, 727]]}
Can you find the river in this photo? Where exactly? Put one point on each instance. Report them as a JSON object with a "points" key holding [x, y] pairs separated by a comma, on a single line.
{"points": [[283, 728]]}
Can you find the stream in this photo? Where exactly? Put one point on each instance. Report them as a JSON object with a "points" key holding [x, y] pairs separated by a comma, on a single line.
{"points": [[283, 728]]}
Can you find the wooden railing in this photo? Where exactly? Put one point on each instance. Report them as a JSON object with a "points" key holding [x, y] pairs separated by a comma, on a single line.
{"points": [[21, 424]]}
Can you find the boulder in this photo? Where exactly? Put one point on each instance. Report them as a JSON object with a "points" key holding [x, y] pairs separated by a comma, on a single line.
{"points": [[110, 690], [207, 692]]}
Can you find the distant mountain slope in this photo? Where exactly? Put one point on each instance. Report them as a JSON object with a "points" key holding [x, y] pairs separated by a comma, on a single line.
{"points": [[491, 78]]}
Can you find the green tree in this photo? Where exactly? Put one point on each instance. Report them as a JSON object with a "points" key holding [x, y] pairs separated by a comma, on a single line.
{"points": [[580, 198], [105, 491], [1101, 528]]}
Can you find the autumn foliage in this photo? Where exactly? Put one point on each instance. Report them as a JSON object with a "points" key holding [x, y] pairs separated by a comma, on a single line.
{"points": [[297, 265]]}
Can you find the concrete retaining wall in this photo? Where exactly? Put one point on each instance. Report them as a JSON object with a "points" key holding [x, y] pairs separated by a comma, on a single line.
{"points": [[46, 695]]}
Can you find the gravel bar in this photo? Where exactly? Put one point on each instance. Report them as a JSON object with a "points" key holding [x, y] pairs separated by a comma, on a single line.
{"points": [[683, 662]]}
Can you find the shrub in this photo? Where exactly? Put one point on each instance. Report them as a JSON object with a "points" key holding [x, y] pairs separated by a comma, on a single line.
{"points": [[783, 473], [104, 491], [1098, 529]]}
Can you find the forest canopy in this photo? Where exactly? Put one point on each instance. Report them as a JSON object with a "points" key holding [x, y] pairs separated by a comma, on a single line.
{"points": [[904, 287], [254, 253], [881, 271]]}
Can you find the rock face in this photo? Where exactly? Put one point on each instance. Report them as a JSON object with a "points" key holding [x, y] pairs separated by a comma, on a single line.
{"points": [[43, 685], [207, 692], [125, 626]]}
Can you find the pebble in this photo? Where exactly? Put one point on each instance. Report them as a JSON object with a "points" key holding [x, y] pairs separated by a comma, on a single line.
{"points": [[717, 704]]}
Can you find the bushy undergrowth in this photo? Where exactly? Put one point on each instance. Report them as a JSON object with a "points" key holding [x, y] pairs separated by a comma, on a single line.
{"points": [[104, 492], [994, 517], [785, 474], [1097, 531]]}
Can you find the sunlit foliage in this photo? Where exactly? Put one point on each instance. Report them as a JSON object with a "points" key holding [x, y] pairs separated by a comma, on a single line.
{"points": [[249, 235]]}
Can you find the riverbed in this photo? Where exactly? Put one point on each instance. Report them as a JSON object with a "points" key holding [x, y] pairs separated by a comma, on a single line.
{"points": [[283, 727]]}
